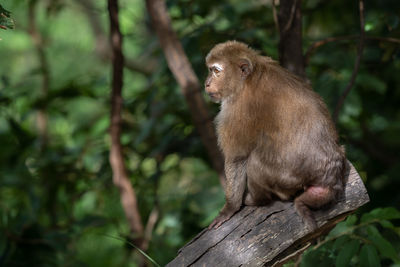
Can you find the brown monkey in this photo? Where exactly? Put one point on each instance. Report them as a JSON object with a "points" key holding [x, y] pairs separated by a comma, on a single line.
{"points": [[275, 132]]}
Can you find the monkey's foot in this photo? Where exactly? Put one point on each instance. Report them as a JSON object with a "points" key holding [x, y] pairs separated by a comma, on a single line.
{"points": [[221, 218]]}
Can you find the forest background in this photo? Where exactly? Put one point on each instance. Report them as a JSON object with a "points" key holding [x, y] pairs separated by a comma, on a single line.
{"points": [[61, 201]]}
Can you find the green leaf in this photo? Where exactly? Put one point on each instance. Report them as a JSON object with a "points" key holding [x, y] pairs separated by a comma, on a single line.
{"points": [[385, 248], [387, 224], [369, 256], [351, 220], [319, 257], [347, 252], [339, 242], [341, 228], [4, 11], [381, 214]]}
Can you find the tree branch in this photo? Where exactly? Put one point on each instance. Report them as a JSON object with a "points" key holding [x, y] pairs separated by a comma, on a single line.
{"points": [[183, 72], [120, 177], [325, 41], [275, 15], [38, 42], [268, 235], [103, 47], [356, 64], [151, 223], [291, 17], [155, 212]]}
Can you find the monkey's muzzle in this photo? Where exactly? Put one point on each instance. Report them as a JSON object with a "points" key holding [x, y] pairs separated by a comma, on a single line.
{"points": [[215, 97]]}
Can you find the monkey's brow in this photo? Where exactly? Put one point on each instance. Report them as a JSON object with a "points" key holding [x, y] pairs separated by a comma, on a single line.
{"points": [[217, 66]]}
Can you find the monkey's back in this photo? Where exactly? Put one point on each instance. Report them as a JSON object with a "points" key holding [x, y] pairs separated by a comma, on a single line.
{"points": [[297, 144]]}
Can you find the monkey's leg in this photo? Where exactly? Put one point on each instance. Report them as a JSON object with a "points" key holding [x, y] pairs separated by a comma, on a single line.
{"points": [[235, 172], [256, 195], [249, 200], [312, 197]]}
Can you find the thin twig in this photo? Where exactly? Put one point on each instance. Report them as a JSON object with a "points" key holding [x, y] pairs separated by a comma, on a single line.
{"points": [[292, 14], [151, 223], [386, 39], [356, 64], [325, 41], [275, 15], [102, 46], [136, 247], [155, 212], [120, 176], [39, 44]]}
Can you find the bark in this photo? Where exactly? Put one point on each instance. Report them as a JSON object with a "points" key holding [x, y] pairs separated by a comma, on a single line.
{"points": [[120, 177], [183, 72], [290, 31], [267, 236]]}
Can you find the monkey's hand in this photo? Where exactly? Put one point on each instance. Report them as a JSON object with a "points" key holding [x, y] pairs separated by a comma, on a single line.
{"points": [[222, 217]]}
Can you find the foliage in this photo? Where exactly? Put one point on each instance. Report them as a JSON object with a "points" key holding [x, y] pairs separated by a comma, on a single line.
{"points": [[5, 21], [58, 205], [370, 242]]}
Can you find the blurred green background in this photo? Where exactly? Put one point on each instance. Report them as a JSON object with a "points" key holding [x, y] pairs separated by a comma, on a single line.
{"points": [[58, 205]]}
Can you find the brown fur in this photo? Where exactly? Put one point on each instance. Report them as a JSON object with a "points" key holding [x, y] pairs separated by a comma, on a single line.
{"points": [[276, 134]]}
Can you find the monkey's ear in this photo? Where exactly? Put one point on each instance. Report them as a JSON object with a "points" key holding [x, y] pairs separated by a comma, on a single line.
{"points": [[246, 67]]}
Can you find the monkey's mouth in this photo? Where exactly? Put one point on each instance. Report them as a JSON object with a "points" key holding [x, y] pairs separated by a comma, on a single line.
{"points": [[215, 97]]}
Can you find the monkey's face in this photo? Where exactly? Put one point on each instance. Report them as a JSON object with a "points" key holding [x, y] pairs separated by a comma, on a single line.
{"points": [[214, 84], [224, 80]]}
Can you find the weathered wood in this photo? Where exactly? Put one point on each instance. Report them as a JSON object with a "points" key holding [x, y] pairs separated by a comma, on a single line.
{"points": [[269, 235]]}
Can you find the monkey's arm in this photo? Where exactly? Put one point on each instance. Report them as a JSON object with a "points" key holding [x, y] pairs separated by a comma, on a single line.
{"points": [[235, 171]]}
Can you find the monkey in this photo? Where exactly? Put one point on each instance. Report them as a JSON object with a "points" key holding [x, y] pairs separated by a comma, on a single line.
{"points": [[275, 133]]}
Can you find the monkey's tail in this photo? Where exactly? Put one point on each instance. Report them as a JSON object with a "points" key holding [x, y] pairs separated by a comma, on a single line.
{"points": [[335, 171], [305, 213], [340, 171]]}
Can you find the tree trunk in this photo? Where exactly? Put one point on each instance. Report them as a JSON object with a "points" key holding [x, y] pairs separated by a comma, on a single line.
{"points": [[183, 72], [290, 31]]}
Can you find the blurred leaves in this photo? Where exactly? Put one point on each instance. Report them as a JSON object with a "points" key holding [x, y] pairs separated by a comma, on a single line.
{"points": [[371, 242], [369, 256], [347, 252], [6, 22]]}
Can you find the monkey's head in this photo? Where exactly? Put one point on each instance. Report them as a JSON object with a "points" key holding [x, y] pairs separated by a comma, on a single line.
{"points": [[229, 65]]}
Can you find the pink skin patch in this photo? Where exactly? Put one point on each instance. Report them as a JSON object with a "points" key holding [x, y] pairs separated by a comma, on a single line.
{"points": [[318, 191]]}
